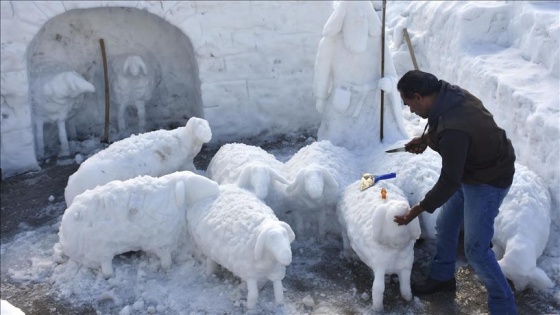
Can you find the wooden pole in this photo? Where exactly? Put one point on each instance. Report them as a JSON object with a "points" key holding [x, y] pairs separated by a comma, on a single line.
{"points": [[407, 38], [104, 56], [382, 69]]}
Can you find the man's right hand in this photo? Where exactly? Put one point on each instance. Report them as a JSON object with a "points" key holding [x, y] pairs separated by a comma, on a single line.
{"points": [[417, 145]]}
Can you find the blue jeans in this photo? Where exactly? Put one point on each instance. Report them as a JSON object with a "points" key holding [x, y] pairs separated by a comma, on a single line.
{"points": [[476, 206]]}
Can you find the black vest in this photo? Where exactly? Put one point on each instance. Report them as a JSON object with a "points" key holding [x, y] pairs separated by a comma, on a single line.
{"points": [[490, 157]]}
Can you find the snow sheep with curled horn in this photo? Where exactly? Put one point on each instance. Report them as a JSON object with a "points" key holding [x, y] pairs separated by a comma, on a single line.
{"points": [[248, 167], [153, 153], [368, 229], [143, 213], [239, 232], [522, 229]]}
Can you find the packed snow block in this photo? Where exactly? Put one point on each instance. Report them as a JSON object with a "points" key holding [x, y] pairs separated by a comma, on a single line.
{"points": [[317, 175], [144, 213], [55, 99], [133, 82], [417, 174], [153, 153], [521, 230], [368, 229], [9, 309], [248, 167], [242, 234]]}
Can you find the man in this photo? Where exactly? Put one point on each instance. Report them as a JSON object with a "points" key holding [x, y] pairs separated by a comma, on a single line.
{"points": [[348, 81], [477, 171]]}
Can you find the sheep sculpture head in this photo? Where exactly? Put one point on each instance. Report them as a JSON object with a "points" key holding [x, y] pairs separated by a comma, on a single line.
{"points": [[275, 239], [317, 183], [199, 128], [258, 177], [134, 65], [388, 233], [67, 85]]}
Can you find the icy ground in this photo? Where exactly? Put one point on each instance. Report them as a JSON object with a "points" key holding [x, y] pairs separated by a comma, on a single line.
{"points": [[319, 280]]}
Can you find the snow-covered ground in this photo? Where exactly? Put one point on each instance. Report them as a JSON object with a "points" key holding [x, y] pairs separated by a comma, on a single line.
{"points": [[506, 53]]}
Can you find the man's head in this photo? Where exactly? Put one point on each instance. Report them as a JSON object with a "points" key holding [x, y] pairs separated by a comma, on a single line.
{"points": [[419, 91]]}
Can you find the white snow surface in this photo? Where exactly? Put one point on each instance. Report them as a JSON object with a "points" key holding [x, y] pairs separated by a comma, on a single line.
{"points": [[504, 52], [143, 213], [153, 153], [8, 309], [317, 175], [369, 230], [248, 167], [242, 234]]}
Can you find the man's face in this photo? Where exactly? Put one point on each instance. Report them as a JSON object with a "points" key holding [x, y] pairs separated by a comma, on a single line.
{"points": [[417, 104]]}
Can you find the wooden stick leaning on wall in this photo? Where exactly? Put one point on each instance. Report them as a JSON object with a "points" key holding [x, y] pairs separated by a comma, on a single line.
{"points": [[106, 76], [410, 50], [382, 69]]}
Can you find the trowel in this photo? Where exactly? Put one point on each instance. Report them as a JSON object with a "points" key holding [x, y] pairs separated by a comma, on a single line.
{"points": [[369, 180]]}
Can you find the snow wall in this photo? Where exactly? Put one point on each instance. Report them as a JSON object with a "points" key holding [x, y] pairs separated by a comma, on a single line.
{"points": [[257, 58], [251, 57], [483, 47]]}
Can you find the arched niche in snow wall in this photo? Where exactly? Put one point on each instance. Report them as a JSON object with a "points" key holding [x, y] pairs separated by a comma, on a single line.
{"points": [[70, 41]]}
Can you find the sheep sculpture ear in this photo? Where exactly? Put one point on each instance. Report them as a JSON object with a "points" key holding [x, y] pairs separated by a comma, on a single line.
{"points": [[329, 180], [259, 246], [296, 184], [180, 193], [244, 179], [278, 177], [291, 234], [335, 21]]}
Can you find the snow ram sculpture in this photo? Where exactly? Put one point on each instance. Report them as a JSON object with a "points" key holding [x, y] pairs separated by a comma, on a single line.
{"points": [[318, 173], [367, 226], [521, 230], [143, 213], [239, 232], [248, 167], [154, 153], [55, 98], [133, 82]]}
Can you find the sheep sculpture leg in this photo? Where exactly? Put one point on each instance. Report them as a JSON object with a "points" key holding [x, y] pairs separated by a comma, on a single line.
{"points": [[165, 259], [39, 138], [63, 138], [404, 284], [120, 120], [107, 268], [141, 109], [211, 266], [377, 289], [252, 293], [278, 291]]}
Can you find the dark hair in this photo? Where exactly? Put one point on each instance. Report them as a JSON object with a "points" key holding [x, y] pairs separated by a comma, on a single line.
{"points": [[416, 81]]}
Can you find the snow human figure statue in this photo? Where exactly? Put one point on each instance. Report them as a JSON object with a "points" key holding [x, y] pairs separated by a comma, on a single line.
{"points": [[348, 80]]}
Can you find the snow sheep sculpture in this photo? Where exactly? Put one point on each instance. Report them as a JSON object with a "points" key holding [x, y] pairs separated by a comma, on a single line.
{"points": [[521, 230], [248, 167], [55, 98], [318, 173], [143, 213], [133, 82], [154, 153], [239, 232], [418, 173], [368, 228]]}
